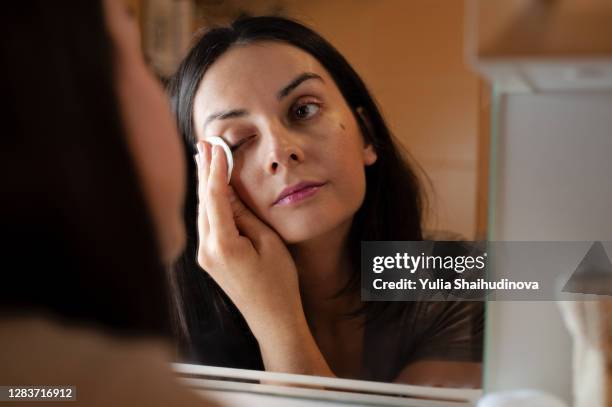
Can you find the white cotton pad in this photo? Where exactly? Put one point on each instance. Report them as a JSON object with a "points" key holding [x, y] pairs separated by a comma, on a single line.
{"points": [[215, 140]]}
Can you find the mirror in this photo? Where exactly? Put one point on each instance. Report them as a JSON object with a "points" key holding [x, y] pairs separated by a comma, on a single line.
{"points": [[410, 57]]}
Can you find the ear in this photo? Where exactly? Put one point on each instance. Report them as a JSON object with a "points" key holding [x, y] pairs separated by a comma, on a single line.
{"points": [[369, 152]]}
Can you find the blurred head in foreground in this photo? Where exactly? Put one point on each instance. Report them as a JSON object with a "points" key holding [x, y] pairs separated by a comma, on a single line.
{"points": [[92, 169]]}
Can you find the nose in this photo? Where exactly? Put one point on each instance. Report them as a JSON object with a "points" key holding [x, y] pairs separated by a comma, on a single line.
{"points": [[285, 150]]}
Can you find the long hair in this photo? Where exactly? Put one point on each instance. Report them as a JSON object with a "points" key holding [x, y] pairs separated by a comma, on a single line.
{"points": [[393, 203], [79, 244]]}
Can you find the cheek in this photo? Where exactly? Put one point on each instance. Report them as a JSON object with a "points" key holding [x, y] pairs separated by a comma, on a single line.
{"points": [[348, 178], [248, 185], [343, 155]]}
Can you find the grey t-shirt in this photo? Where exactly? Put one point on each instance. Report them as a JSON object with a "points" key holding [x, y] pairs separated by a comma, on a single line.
{"points": [[449, 331]]}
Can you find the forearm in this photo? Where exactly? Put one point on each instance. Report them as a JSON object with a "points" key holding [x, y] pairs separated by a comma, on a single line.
{"points": [[291, 348]]}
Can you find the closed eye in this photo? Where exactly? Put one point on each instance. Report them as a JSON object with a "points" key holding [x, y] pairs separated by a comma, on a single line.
{"points": [[240, 143]]}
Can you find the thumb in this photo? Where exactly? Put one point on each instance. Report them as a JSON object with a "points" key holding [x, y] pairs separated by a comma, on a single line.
{"points": [[247, 223]]}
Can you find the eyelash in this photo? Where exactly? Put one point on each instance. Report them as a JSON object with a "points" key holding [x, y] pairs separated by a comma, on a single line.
{"points": [[293, 109], [241, 142]]}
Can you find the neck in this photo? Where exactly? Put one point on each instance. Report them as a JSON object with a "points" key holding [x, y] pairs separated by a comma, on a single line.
{"points": [[324, 267]]}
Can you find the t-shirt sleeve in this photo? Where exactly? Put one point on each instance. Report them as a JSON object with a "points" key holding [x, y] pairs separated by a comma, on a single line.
{"points": [[452, 330]]}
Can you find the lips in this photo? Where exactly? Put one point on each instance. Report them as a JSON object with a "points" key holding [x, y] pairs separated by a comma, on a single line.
{"points": [[298, 192]]}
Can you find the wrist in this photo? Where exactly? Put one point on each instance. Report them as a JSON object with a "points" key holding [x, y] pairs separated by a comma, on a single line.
{"points": [[280, 328], [290, 347]]}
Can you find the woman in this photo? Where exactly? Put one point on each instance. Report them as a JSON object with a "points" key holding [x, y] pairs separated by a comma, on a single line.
{"points": [[93, 187], [315, 172]]}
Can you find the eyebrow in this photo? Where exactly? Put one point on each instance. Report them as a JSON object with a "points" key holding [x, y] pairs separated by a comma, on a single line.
{"points": [[297, 82], [286, 90], [226, 114]]}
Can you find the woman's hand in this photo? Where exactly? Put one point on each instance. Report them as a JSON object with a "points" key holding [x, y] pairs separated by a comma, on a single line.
{"points": [[247, 258], [252, 265]]}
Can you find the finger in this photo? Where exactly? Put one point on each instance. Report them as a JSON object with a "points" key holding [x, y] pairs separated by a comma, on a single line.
{"points": [[202, 162], [217, 201], [247, 222]]}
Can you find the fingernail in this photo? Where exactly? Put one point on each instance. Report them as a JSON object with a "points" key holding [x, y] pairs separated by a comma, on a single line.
{"points": [[215, 149], [200, 151]]}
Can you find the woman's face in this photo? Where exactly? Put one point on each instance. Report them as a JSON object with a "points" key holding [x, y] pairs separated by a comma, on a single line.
{"points": [[150, 130], [286, 122]]}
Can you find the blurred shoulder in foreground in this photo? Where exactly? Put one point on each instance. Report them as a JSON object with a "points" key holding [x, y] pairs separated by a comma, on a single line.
{"points": [[106, 371]]}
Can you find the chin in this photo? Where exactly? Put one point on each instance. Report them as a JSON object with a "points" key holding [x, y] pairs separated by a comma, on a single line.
{"points": [[301, 231], [305, 229], [299, 225]]}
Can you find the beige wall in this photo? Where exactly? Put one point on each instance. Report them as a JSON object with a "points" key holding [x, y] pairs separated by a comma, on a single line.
{"points": [[410, 54]]}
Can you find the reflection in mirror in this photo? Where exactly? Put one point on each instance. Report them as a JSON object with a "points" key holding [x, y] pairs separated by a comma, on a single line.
{"points": [[347, 122]]}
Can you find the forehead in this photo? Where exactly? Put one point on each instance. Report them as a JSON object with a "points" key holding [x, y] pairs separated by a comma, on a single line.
{"points": [[253, 73]]}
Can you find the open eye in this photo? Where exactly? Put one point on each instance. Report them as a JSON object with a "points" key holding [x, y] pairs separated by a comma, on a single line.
{"points": [[305, 111]]}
